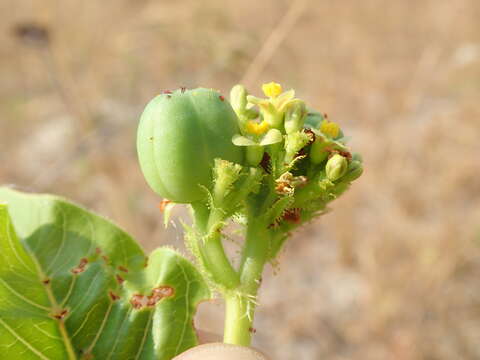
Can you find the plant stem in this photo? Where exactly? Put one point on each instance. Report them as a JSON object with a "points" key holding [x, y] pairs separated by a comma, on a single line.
{"points": [[212, 253], [240, 305], [237, 323], [217, 263]]}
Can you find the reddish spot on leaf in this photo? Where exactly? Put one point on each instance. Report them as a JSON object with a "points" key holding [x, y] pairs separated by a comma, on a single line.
{"points": [[123, 268], [81, 266], [98, 250], [46, 281], [106, 259], [138, 301], [158, 294], [164, 291], [113, 296], [120, 279], [61, 315]]}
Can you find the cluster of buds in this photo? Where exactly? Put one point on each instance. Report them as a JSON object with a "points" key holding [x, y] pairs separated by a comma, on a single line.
{"points": [[306, 153], [196, 147]]}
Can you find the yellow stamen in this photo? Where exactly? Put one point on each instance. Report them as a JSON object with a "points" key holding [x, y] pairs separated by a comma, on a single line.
{"points": [[256, 128], [272, 89], [330, 128]]}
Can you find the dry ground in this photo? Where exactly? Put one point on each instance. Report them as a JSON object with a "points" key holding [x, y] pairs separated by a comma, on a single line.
{"points": [[393, 272]]}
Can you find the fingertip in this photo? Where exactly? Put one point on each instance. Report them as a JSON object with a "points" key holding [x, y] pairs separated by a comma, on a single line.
{"points": [[216, 351]]}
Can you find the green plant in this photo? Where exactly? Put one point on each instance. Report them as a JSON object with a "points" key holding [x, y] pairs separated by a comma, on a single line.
{"points": [[296, 162], [75, 286]]}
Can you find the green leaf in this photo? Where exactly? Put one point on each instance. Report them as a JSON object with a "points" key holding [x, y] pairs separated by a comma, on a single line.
{"points": [[77, 287]]}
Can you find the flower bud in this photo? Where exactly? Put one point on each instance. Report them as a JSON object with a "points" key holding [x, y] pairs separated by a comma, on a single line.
{"points": [[355, 169], [238, 99], [295, 116], [319, 150], [336, 167]]}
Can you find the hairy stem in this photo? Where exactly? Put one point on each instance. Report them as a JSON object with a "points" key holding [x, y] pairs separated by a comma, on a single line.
{"points": [[212, 253], [240, 305]]}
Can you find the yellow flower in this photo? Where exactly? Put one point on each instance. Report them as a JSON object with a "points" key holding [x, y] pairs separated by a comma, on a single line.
{"points": [[330, 128], [256, 128], [272, 89]]}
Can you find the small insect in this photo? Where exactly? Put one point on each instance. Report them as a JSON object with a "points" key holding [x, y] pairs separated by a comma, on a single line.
{"points": [[221, 97]]}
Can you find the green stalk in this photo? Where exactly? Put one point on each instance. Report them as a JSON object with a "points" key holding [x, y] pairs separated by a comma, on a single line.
{"points": [[240, 305], [213, 256]]}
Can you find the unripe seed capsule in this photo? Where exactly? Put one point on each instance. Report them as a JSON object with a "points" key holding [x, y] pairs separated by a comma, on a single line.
{"points": [[178, 139]]}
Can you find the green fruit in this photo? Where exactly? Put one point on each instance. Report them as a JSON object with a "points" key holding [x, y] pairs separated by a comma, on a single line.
{"points": [[179, 136]]}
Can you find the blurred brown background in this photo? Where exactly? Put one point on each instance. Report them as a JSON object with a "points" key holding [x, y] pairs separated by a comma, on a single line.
{"points": [[394, 271]]}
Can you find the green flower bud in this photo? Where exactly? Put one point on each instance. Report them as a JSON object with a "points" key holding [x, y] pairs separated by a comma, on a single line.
{"points": [[295, 116], [336, 167], [355, 169], [238, 99], [294, 142], [225, 174], [179, 136], [319, 149]]}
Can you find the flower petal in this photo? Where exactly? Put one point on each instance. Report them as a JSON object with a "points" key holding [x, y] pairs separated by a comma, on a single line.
{"points": [[273, 136]]}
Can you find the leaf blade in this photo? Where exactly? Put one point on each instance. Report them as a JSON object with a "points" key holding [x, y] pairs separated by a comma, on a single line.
{"points": [[96, 274]]}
